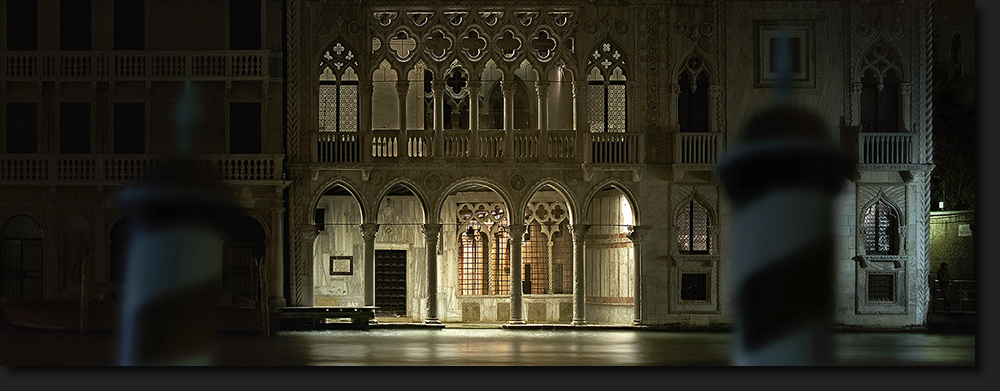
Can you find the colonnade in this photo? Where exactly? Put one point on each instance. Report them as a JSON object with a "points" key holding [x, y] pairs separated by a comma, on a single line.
{"points": [[431, 236]]}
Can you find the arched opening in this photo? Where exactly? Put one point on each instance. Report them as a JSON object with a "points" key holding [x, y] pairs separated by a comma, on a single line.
{"points": [[881, 78], [242, 255], [522, 114], [610, 267], [547, 246], [21, 259], [692, 103], [881, 227], [400, 254], [338, 250], [476, 246]]}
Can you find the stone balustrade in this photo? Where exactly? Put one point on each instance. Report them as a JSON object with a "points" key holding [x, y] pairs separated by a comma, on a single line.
{"points": [[118, 168], [697, 148], [133, 65], [885, 148]]}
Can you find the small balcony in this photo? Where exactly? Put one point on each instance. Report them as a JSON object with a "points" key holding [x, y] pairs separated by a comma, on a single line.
{"points": [[697, 148], [885, 148], [104, 169]]}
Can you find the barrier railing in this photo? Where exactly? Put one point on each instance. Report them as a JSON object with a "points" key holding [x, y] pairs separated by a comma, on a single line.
{"points": [[133, 65], [614, 148], [128, 167], [885, 148], [696, 148]]}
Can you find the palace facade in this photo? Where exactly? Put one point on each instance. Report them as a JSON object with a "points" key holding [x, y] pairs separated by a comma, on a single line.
{"points": [[470, 161]]}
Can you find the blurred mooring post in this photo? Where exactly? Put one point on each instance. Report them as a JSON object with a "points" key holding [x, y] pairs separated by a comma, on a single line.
{"points": [[782, 177], [174, 261]]}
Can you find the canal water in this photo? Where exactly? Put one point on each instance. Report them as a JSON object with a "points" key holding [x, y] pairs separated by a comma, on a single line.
{"points": [[488, 347]]}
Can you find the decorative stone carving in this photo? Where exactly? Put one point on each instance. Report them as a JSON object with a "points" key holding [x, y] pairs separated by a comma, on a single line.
{"points": [[368, 231], [621, 27], [354, 28], [376, 178], [323, 29], [432, 181], [517, 182], [590, 27]]}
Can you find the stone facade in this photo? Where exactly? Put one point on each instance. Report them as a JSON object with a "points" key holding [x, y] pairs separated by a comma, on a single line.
{"points": [[397, 115]]}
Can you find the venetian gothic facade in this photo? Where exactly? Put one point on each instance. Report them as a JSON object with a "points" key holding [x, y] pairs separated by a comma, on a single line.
{"points": [[491, 162]]}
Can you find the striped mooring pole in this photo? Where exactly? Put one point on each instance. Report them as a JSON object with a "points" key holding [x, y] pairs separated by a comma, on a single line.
{"points": [[173, 266], [782, 178], [173, 269]]}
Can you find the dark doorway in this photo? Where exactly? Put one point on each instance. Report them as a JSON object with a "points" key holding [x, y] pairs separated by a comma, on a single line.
{"points": [[21, 259], [390, 283], [242, 251]]}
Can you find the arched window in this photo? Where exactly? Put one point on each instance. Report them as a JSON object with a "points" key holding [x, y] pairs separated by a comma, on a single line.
{"points": [[692, 103], [484, 253], [692, 224], [338, 90], [881, 226], [606, 98], [21, 259], [880, 90]]}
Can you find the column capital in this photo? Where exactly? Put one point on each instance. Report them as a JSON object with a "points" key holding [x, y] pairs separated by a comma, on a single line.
{"points": [[508, 87], [365, 88], [516, 230], [402, 87], [473, 86], [431, 232], [638, 233], [675, 89], [309, 234], [579, 88], [542, 87], [579, 232], [438, 86], [368, 231], [856, 88]]}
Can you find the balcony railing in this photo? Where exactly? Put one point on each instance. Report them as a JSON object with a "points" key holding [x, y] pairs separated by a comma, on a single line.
{"points": [[885, 148], [128, 167], [614, 148], [697, 148], [133, 65], [493, 145]]}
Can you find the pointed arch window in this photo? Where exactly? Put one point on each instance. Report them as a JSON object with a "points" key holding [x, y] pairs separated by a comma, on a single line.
{"points": [[880, 90], [338, 90], [881, 226], [692, 102], [692, 224], [606, 92], [484, 250]]}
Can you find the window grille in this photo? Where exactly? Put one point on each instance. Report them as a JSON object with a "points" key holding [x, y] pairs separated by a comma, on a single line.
{"points": [[471, 262], [534, 252], [694, 286], [692, 223], [338, 106], [880, 224], [882, 287], [501, 265]]}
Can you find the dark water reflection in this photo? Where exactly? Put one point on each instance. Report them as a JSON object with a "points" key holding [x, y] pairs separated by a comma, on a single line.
{"points": [[487, 347]]}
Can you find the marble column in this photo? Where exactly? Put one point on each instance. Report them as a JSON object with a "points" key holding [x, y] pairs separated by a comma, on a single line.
{"points": [[431, 232], [402, 144], [438, 87], [368, 231], [473, 87], [579, 275], [542, 91], [508, 88], [365, 119], [515, 232], [580, 120], [305, 296], [637, 235], [276, 270]]}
